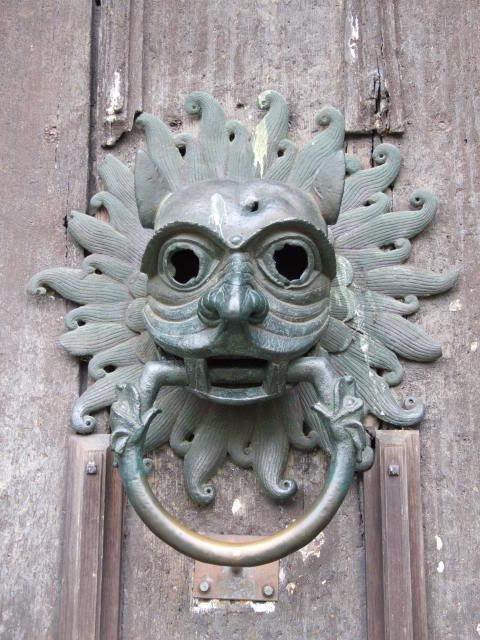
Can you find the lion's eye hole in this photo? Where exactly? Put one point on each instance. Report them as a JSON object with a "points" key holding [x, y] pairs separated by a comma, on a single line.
{"points": [[291, 261], [185, 265]]}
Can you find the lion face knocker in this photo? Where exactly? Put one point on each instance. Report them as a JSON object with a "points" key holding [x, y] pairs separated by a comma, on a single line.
{"points": [[223, 316], [239, 278]]}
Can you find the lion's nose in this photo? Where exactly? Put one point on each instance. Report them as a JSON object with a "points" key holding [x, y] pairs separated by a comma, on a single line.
{"points": [[234, 300]]}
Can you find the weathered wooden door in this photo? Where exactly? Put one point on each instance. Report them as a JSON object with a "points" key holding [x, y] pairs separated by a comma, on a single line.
{"points": [[74, 76]]}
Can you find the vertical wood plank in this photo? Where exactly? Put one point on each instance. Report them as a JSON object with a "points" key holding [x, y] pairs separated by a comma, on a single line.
{"points": [[397, 581], [373, 92], [112, 553], [93, 532], [120, 86], [396, 601], [45, 117]]}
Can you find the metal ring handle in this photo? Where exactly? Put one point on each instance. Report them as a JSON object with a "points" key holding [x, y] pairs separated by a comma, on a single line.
{"points": [[133, 412], [246, 554]]}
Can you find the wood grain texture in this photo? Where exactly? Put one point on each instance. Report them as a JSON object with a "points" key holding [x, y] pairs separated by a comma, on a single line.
{"points": [[439, 53], [395, 576], [44, 167], [373, 99], [110, 615], [120, 49], [236, 50], [80, 602], [90, 594]]}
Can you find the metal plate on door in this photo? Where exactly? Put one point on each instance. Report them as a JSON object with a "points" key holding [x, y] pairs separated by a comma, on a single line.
{"points": [[236, 583]]}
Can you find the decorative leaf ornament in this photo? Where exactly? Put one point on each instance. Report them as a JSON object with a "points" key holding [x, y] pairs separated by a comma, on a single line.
{"points": [[363, 332]]}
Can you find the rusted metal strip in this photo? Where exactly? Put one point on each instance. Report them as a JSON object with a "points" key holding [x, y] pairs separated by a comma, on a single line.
{"points": [[236, 583]]}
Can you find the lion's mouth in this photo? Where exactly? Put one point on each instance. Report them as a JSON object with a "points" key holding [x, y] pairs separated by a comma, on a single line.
{"points": [[235, 380]]}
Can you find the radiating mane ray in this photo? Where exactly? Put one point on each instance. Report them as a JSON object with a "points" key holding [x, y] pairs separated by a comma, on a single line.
{"points": [[374, 390], [99, 237], [120, 355], [99, 395], [282, 165], [95, 337], [293, 417], [151, 187], [377, 302], [349, 220], [386, 228], [270, 131], [324, 144], [364, 260], [336, 337], [206, 454], [74, 285], [401, 281], [171, 402], [270, 449], [240, 161], [240, 436], [118, 180], [196, 169], [163, 150], [377, 355], [189, 416], [117, 269], [360, 186], [212, 135], [120, 217], [104, 312], [404, 337]]}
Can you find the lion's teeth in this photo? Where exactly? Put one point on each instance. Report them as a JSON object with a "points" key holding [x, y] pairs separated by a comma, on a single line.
{"points": [[197, 373], [275, 378]]}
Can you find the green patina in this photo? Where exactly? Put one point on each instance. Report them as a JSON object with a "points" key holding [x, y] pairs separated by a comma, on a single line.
{"points": [[225, 268]]}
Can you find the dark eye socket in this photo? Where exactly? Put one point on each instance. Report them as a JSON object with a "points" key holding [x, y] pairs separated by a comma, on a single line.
{"points": [[185, 265], [291, 261]]}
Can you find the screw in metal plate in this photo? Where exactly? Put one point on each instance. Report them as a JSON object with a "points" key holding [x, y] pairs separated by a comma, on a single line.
{"points": [[204, 586], [91, 468], [268, 590], [393, 469]]}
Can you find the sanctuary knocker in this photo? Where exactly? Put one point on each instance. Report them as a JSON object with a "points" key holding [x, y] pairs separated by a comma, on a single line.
{"points": [[245, 296]]}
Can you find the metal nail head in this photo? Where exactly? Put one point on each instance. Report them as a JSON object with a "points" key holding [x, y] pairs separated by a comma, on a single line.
{"points": [[204, 586], [91, 468], [393, 469], [268, 590]]}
